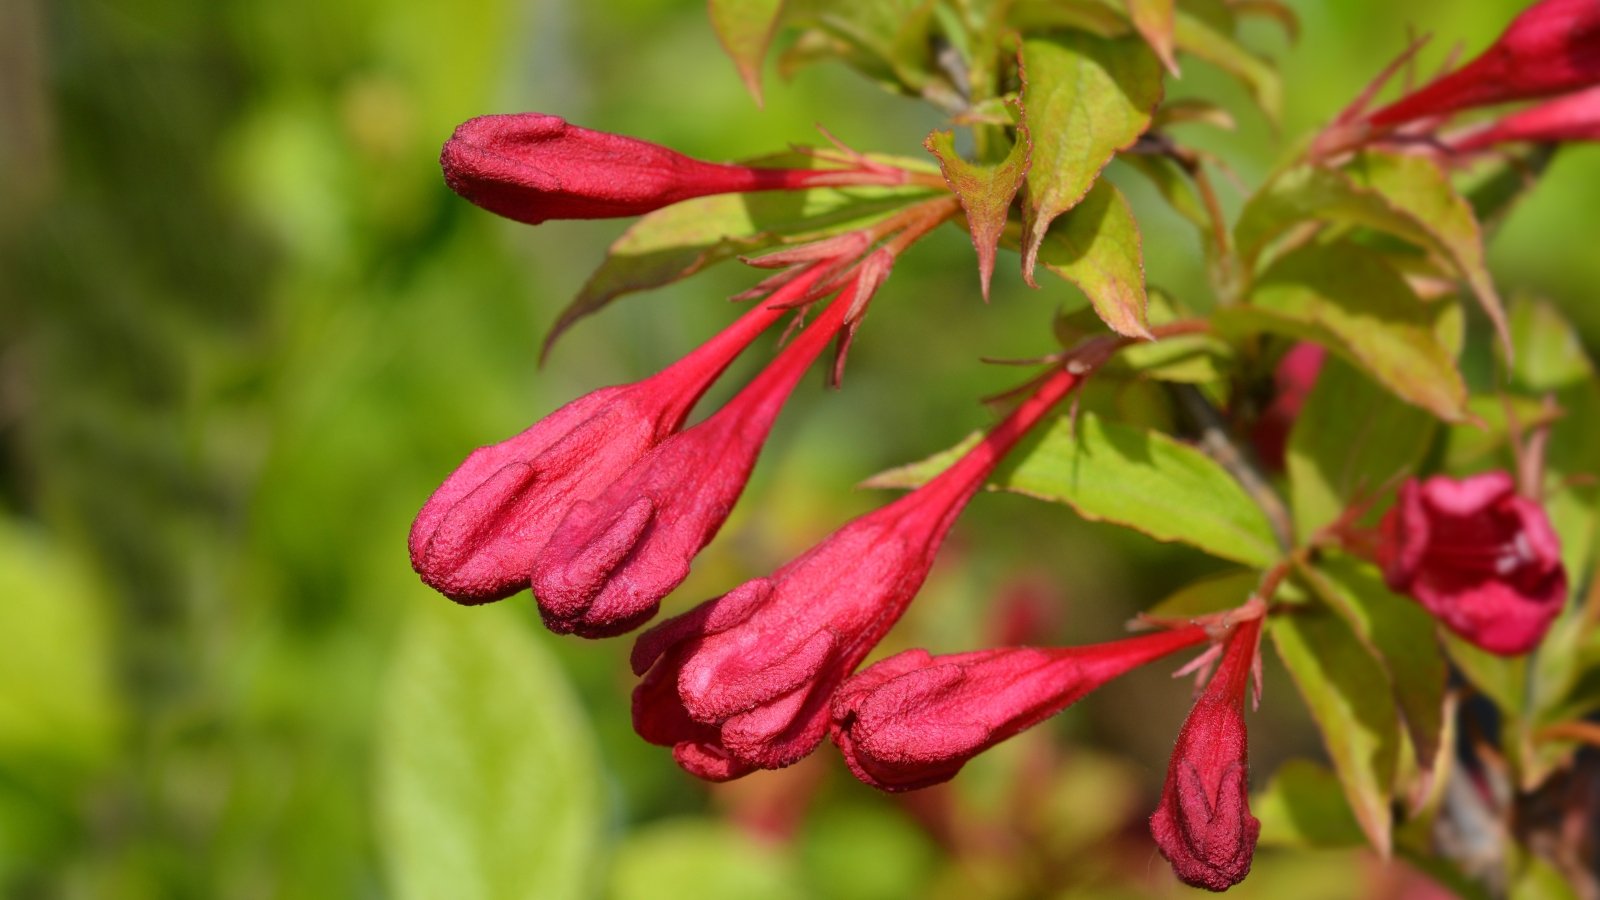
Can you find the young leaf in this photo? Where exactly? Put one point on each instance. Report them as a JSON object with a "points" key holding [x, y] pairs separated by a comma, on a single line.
{"points": [[1347, 298], [1349, 698], [1086, 99], [1303, 806], [1193, 34], [1402, 636], [1208, 595], [1096, 246], [1130, 476], [745, 29], [672, 244], [1153, 19], [985, 192], [487, 782], [1336, 457]]}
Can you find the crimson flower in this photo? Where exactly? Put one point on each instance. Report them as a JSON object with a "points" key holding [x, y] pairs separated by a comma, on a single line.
{"points": [[744, 681], [1551, 48], [608, 565], [1292, 382], [1203, 824], [531, 167], [913, 720], [1574, 117], [476, 538], [1479, 557]]}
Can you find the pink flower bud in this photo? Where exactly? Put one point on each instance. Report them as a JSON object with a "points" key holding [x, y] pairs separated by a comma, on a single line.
{"points": [[476, 538], [744, 681], [1203, 824], [1551, 48], [913, 720], [1575, 117], [608, 565], [532, 167], [1479, 557]]}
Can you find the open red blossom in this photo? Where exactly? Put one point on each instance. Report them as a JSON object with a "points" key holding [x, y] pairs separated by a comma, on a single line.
{"points": [[1574, 117], [1551, 48], [476, 538], [744, 681], [608, 565], [531, 167], [1479, 557], [1203, 824], [913, 720]]}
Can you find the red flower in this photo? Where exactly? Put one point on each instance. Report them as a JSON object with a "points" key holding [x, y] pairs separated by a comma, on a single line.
{"points": [[744, 681], [532, 167], [913, 720], [1575, 117], [476, 538], [1203, 824], [1480, 558], [1292, 382], [608, 565], [1551, 48]]}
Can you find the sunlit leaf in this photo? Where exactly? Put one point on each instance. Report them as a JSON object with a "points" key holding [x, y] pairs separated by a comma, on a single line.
{"points": [[985, 191], [1154, 21], [1118, 473], [1193, 34], [745, 29], [1096, 246], [1346, 298], [1349, 698], [702, 858], [1086, 99], [488, 787], [1304, 806], [1271, 9], [1208, 595]]}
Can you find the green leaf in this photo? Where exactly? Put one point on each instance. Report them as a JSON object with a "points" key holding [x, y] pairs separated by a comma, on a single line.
{"points": [[700, 858], [1336, 457], [488, 788], [1086, 99], [1096, 246], [1278, 11], [674, 243], [1188, 358], [1502, 679], [1303, 806], [1208, 595], [1130, 476], [1348, 299], [1193, 34], [1417, 188], [1349, 698], [1402, 636], [745, 29], [887, 40], [985, 192], [1154, 19]]}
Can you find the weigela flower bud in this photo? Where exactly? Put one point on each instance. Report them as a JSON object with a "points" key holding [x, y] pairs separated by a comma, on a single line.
{"points": [[913, 720], [1575, 117], [532, 167], [476, 538], [1203, 824], [1551, 48], [608, 565], [744, 681], [1479, 557]]}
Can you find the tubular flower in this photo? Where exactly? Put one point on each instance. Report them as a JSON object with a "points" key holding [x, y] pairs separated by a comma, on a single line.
{"points": [[612, 560], [913, 720], [744, 681], [532, 167], [1203, 824], [476, 538], [1551, 48], [1479, 557], [1574, 117]]}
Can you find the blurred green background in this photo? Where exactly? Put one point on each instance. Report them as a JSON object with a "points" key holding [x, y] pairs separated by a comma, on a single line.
{"points": [[245, 330]]}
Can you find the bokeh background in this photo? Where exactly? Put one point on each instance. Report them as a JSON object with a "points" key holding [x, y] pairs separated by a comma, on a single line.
{"points": [[245, 330]]}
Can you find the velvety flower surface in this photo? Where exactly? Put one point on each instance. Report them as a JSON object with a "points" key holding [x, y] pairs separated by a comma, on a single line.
{"points": [[1203, 824], [913, 720], [532, 167], [612, 560], [744, 681], [1481, 558], [1574, 117], [1551, 48], [476, 538]]}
